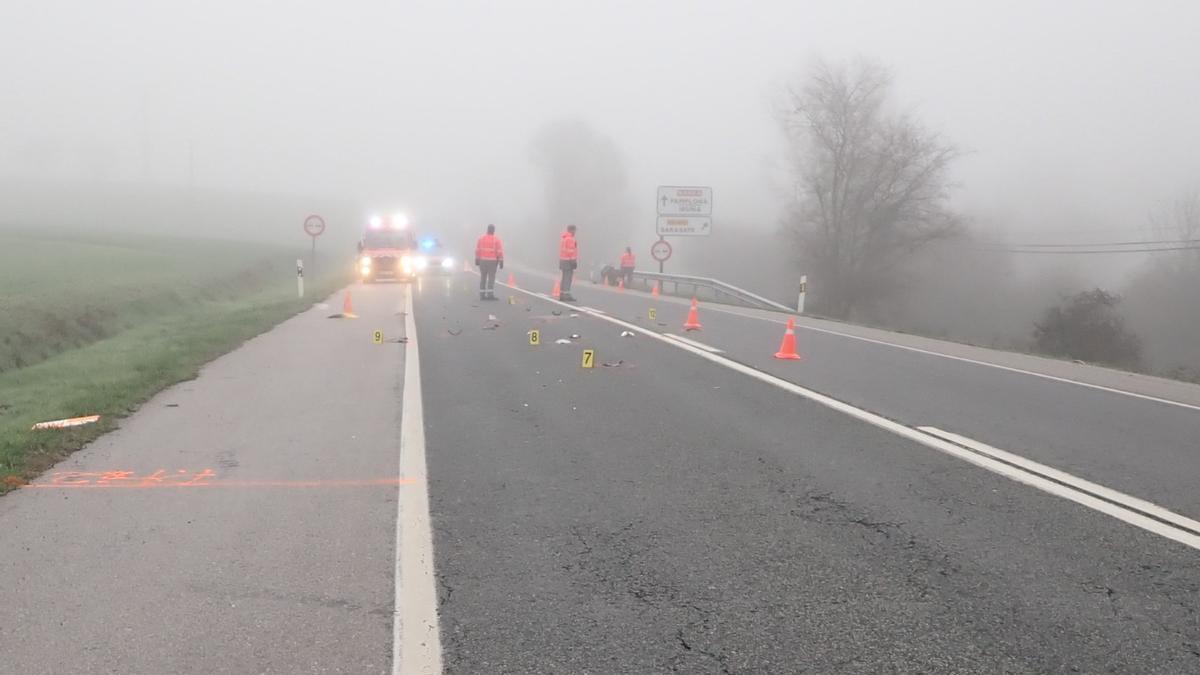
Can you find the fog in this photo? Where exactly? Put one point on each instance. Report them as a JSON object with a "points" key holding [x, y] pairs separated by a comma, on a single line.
{"points": [[1077, 118]]}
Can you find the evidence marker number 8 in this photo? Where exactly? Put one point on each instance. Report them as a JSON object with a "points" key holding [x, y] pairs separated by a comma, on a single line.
{"points": [[535, 337]]}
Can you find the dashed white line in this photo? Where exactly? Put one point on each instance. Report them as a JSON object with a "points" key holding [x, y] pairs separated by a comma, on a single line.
{"points": [[416, 639], [694, 343], [1138, 518]]}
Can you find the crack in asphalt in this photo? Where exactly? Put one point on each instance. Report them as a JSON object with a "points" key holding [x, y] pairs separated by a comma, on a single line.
{"points": [[443, 585], [687, 647]]}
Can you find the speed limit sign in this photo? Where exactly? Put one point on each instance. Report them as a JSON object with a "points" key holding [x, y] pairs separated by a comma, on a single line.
{"points": [[661, 250], [314, 225]]}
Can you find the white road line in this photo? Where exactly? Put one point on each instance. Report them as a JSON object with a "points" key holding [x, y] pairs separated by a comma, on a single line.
{"points": [[416, 640], [694, 343], [964, 359], [989, 463], [1120, 498]]}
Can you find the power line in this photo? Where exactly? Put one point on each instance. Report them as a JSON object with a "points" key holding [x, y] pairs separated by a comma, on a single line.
{"points": [[1102, 244], [1145, 246], [1081, 251]]}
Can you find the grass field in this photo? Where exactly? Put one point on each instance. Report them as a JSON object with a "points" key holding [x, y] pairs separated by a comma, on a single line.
{"points": [[97, 326]]}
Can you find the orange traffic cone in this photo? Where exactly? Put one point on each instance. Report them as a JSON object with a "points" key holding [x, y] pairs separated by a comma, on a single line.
{"points": [[654, 291], [348, 307], [787, 348], [693, 318], [557, 290], [512, 280], [621, 285]]}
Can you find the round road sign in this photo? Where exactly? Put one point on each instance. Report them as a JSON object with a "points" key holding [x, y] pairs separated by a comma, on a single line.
{"points": [[661, 250], [314, 225]]}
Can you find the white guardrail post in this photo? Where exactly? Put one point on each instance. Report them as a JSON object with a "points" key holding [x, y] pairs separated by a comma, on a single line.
{"points": [[803, 292]]}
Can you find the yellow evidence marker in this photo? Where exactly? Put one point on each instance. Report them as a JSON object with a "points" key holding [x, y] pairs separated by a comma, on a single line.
{"points": [[535, 337], [377, 337], [589, 358], [652, 314]]}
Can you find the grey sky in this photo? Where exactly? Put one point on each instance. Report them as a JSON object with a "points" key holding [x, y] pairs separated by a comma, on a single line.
{"points": [[1081, 116]]}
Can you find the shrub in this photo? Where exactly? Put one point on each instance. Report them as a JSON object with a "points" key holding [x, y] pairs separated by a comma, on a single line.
{"points": [[1086, 326]]}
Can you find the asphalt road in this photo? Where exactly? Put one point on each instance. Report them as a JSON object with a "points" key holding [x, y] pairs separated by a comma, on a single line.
{"points": [[284, 566], [659, 512], [1134, 445], [669, 515]]}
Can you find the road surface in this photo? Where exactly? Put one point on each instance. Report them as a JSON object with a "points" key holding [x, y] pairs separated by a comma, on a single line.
{"points": [[686, 506]]}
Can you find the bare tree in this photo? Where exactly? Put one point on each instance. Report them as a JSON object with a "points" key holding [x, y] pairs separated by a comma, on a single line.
{"points": [[869, 186], [1179, 222], [1162, 297], [585, 182]]}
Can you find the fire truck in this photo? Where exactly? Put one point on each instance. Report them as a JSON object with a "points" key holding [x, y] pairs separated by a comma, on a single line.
{"points": [[388, 251]]}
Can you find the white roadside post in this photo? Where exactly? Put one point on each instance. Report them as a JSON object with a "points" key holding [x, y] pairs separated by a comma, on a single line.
{"points": [[803, 292], [299, 277]]}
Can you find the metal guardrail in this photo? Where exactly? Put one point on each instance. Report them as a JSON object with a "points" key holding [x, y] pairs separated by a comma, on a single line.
{"points": [[708, 289]]}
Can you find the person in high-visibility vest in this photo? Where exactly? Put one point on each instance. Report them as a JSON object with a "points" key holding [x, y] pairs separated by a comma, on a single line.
{"points": [[627, 266], [489, 254], [568, 260]]}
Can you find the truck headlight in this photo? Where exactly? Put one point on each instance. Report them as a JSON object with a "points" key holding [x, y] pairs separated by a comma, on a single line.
{"points": [[365, 261]]}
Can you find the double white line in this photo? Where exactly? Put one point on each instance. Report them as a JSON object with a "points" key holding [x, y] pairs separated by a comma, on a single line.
{"points": [[1139, 512]]}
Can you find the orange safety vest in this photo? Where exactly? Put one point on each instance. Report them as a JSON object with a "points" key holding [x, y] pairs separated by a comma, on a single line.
{"points": [[626, 260], [567, 248], [488, 248]]}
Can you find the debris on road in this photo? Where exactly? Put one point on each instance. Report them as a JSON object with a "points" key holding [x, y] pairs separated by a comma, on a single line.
{"points": [[556, 312], [626, 333], [562, 341], [400, 340], [574, 314], [69, 422], [613, 365], [172, 405], [575, 336], [492, 317], [453, 331]]}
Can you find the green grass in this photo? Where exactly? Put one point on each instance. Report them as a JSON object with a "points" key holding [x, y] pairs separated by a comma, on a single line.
{"points": [[98, 327]]}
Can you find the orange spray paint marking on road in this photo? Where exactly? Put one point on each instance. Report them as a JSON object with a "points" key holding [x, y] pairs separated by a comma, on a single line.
{"points": [[191, 479], [126, 478]]}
